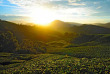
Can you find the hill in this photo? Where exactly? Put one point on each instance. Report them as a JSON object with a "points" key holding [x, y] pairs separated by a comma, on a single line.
{"points": [[76, 28], [58, 23], [107, 25], [91, 29], [54, 27], [60, 26], [28, 32], [98, 38]]}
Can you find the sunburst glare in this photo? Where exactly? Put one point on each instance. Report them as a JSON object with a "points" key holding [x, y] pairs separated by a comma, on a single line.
{"points": [[41, 16]]}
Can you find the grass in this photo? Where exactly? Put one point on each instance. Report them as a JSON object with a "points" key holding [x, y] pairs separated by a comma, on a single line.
{"points": [[83, 51], [52, 63]]}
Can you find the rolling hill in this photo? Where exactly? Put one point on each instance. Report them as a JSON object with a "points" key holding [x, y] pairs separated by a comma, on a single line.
{"points": [[76, 28], [28, 32], [107, 25]]}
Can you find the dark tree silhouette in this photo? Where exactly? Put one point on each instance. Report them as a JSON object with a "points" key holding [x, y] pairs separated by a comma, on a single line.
{"points": [[8, 42]]}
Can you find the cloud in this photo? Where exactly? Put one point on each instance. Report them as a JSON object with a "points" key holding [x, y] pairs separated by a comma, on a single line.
{"points": [[8, 17], [76, 11], [23, 2], [7, 5], [71, 1], [37, 3], [95, 2], [55, 10], [99, 7], [74, 2], [1, 1], [77, 4], [31, 2], [12, 16], [45, 3], [102, 14], [64, 10]]}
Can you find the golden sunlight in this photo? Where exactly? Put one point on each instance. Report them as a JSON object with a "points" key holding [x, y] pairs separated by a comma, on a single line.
{"points": [[41, 16]]}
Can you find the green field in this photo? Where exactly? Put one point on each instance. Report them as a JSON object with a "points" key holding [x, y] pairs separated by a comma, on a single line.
{"points": [[51, 64], [82, 51]]}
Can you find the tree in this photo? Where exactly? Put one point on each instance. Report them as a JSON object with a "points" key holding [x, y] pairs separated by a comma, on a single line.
{"points": [[8, 42]]}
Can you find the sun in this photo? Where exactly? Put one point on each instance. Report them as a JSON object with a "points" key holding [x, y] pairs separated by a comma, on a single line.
{"points": [[41, 16]]}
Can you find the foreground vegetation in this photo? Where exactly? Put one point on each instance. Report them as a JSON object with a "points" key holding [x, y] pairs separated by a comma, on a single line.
{"points": [[52, 63]]}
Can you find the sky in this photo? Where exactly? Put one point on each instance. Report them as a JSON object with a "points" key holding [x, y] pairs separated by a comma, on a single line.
{"points": [[45, 11]]}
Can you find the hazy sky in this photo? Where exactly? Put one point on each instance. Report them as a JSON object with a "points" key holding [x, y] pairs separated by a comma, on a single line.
{"points": [[37, 11]]}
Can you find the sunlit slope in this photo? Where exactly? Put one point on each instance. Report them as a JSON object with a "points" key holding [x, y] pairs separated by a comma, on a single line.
{"points": [[62, 26], [29, 32], [107, 25], [75, 27]]}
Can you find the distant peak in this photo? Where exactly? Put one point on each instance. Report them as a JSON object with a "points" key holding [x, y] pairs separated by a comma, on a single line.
{"points": [[55, 21]]}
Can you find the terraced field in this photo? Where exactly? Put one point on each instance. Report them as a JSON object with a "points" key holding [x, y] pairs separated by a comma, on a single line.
{"points": [[51, 64]]}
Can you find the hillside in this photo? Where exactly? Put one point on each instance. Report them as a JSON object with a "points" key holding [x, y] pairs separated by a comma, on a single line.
{"points": [[28, 32], [91, 29], [76, 28], [98, 38], [107, 25], [56, 25]]}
